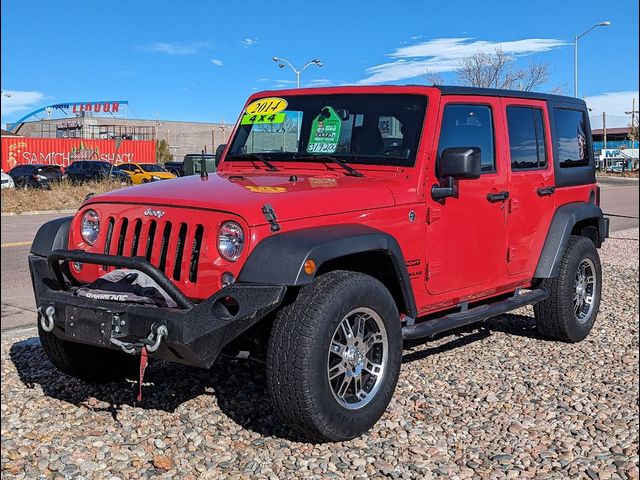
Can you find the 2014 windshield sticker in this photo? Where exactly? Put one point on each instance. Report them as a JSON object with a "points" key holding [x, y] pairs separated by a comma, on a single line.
{"points": [[267, 105], [262, 118], [325, 132]]}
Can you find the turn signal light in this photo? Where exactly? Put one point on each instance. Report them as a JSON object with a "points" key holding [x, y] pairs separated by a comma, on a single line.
{"points": [[309, 266]]}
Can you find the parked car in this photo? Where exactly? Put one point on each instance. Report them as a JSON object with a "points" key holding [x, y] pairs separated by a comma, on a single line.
{"points": [[176, 168], [89, 170], [192, 164], [145, 172], [7, 181], [35, 176], [327, 251]]}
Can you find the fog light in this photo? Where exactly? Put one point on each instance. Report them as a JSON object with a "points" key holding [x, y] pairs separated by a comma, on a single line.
{"points": [[227, 279], [77, 266]]}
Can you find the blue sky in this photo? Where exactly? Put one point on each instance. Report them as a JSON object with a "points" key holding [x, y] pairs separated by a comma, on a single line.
{"points": [[199, 61]]}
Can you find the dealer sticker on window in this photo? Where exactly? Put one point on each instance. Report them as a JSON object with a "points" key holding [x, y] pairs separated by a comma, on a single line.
{"points": [[262, 118], [267, 105], [325, 132]]}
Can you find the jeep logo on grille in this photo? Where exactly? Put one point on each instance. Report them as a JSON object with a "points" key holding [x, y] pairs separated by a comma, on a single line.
{"points": [[150, 212]]}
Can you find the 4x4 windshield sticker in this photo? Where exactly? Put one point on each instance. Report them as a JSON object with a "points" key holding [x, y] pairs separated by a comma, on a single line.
{"points": [[262, 118], [267, 105], [325, 132]]}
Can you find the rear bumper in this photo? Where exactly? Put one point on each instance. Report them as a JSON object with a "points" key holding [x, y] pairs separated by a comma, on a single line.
{"points": [[195, 333]]}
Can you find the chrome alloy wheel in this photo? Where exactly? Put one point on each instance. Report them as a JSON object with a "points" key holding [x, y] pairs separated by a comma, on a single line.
{"points": [[357, 358], [584, 290]]}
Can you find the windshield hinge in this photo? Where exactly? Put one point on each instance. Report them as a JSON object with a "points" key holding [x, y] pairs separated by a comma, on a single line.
{"points": [[270, 215]]}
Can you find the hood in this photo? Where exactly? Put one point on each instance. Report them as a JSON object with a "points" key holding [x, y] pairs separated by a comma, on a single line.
{"points": [[245, 195]]}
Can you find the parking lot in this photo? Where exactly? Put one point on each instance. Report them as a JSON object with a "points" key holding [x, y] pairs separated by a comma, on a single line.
{"points": [[491, 402]]}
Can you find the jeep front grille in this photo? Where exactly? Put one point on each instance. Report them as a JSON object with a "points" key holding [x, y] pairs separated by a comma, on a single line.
{"points": [[173, 247]]}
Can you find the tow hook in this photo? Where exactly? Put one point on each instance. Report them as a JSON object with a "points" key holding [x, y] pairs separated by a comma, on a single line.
{"points": [[151, 343], [47, 319]]}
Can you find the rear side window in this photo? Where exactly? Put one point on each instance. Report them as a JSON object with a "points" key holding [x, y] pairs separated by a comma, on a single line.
{"points": [[571, 138], [526, 138], [469, 126]]}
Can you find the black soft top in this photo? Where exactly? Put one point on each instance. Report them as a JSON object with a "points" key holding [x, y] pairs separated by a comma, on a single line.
{"points": [[497, 92]]}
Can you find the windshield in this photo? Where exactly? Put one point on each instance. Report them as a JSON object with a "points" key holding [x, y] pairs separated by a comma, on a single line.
{"points": [[375, 129], [150, 167]]}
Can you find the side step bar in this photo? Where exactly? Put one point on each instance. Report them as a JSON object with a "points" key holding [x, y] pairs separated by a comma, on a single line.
{"points": [[473, 315]]}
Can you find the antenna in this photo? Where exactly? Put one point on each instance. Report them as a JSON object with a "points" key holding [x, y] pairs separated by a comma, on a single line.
{"points": [[203, 173]]}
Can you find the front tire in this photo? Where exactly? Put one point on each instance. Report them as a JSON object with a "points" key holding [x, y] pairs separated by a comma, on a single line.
{"points": [[334, 356], [574, 294], [86, 362]]}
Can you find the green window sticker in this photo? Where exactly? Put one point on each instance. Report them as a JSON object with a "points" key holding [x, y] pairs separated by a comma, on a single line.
{"points": [[261, 118], [325, 132]]}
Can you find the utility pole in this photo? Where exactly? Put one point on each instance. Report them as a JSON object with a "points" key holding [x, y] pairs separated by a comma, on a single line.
{"points": [[604, 132]]}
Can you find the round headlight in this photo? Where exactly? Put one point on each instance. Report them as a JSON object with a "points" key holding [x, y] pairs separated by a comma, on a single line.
{"points": [[230, 241], [90, 226]]}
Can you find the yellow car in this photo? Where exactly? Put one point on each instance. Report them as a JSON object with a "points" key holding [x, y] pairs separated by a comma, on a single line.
{"points": [[145, 172]]}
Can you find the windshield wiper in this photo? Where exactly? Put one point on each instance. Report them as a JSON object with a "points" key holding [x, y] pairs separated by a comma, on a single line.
{"points": [[328, 158], [254, 156]]}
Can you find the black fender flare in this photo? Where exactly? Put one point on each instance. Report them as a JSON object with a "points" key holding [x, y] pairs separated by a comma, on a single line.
{"points": [[564, 219], [279, 259], [53, 235]]}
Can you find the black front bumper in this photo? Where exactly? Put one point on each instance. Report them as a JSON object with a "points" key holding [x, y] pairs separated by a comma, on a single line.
{"points": [[196, 333]]}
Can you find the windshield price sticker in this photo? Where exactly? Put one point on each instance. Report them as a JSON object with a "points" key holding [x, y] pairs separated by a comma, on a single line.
{"points": [[267, 105], [325, 132], [263, 118]]}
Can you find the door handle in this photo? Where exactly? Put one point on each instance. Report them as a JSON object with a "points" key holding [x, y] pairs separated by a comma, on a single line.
{"points": [[546, 191], [498, 197]]}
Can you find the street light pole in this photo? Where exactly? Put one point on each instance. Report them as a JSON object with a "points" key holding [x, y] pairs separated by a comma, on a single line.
{"points": [[285, 62], [575, 55]]}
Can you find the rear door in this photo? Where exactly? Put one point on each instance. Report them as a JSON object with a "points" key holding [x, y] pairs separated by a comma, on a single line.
{"points": [[467, 234], [531, 183]]}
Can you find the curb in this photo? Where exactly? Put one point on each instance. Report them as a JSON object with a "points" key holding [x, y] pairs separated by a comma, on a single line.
{"points": [[37, 212]]}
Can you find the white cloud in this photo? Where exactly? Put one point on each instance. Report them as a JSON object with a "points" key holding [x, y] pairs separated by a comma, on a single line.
{"points": [[614, 104], [217, 62], [318, 82], [444, 54], [179, 48], [249, 42], [20, 100]]}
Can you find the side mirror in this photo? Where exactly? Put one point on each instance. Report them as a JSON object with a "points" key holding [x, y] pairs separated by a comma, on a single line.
{"points": [[460, 162], [456, 163], [219, 151]]}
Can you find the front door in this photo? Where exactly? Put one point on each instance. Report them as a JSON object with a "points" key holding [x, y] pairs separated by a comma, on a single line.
{"points": [[531, 183], [467, 234]]}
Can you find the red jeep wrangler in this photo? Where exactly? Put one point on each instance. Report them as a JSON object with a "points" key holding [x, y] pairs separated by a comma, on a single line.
{"points": [[340, 222]]}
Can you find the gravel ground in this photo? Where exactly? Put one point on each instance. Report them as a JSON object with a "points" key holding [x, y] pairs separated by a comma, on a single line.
{"points": [[492, 402]]}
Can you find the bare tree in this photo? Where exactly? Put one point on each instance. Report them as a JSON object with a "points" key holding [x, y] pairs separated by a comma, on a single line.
{"points": [[497, 70], [434, 78]]}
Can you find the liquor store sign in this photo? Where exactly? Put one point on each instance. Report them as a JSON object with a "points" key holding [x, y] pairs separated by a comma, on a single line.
{"points": [[96, 107]]}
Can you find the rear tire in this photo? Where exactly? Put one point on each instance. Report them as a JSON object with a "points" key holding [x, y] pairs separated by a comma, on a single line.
{"points": [[325, 383], [574, 294], [86, 362]]}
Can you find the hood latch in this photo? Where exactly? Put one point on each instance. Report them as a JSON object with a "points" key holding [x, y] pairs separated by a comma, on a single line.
{"points": [[270, 215]]}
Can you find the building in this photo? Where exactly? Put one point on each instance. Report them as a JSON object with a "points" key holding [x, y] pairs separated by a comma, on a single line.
{"points": [[182, 137], [614, 150]]}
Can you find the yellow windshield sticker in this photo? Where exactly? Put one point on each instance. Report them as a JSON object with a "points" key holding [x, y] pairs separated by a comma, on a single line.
{"points": [[255, 189], [262, 118], [267, 105]]}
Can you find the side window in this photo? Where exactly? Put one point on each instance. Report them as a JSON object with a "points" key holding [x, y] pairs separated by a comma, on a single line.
{"points": [[469, 126], [571, 138], [526, 138]]}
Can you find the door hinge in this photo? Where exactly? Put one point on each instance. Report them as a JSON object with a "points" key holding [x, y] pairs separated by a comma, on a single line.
{"points": [[432, 269], [433, 214]]}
